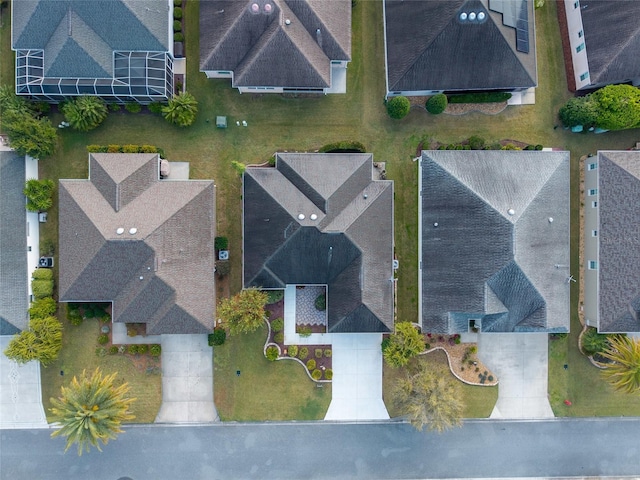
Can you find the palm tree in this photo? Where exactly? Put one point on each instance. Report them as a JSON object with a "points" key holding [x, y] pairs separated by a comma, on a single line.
{"points": [[624, 372], [85, 113], [429, 397], [91, 410], [181, 110]]}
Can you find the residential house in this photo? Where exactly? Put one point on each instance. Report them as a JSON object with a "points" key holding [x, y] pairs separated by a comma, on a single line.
{"points": [[276, 46], [611, 236], [456, 46], [120, 50], [141, 243], [494, 241], [323, 219], [601, 40]]}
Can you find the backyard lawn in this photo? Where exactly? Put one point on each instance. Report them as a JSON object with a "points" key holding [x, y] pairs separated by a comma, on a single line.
{"points": [[277, 123]]}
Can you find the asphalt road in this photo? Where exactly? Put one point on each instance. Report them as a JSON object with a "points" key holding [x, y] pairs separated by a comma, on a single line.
{"points": [[560, 447]]}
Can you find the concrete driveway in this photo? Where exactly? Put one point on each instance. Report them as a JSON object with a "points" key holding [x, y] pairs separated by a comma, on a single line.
{"points": [[20, 393], [357, 378], [520, 361], [187, 380]]}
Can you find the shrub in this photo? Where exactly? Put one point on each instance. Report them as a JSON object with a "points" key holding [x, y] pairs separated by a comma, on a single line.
{"points": [[114, 107], [511, 146], [39, 194], [345, 146], [103, 339], [177, 3], [42, 288], [142, 349], [316, 374], [274, 296], [427, 346], [101, 352], [177, 26], [279, 337], [318, 352], [122, 349], [147, 148], [311, 364], [321, 302], [131, 332], [304, 331], [398, 107], [113, 349], [328, 374], [483, 97], [155, 350], [303, 353], [43, 307], [73, 315], [476, 142], [238, 167], [130, 149], [105, 317], [594, 342], [437, 104], [539, 147], [277, 325], [177, 13], [456, 340], [472, 349], [490, 378], [133, 107], [132, 349], [386, 341], [93, 148], [113, 148], [292, 350], [85, 112], [156, 107], [327, 353], [42, 274], [272, 353], [218, 337]]}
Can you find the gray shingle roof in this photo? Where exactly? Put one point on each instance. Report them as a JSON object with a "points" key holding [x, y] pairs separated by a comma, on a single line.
{"points": [[429, 48], [612, 38], [618, 234], [79, 36], [348, 246], [163, 274], [489, 251], [14, 293], [262, 50]]}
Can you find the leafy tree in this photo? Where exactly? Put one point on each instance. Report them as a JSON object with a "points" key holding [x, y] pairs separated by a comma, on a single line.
{"points": [[403, 345], [437, 104], [43, 307], [39, 194], [429, 397], [91, 410], [618, 107], [85, 113], [579, 111], [244, 312], [398, 107], [181, 110], [10, 102], [42, 341], [28, 135], [624, 373]]}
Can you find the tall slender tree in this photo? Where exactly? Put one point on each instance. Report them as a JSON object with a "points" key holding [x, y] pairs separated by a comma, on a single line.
{"points": [[91, 410], [624, 373]]}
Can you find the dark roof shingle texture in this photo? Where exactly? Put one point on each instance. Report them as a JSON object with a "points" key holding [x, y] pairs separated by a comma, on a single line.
{"points": [[347, 246]]}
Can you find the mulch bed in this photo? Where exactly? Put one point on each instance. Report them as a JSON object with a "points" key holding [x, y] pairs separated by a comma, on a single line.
{"points": [[492, 108]]}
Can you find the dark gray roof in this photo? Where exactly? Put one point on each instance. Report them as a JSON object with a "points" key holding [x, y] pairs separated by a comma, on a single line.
{"points": [[161, 275], [489, 251], [79, 36], [430, 48], [14, 289], [612, 39], [347, 245], [262, 50], [618, 234]]}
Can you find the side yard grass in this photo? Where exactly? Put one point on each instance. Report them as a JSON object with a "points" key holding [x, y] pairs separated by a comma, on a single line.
{"points": [[264, 390]]}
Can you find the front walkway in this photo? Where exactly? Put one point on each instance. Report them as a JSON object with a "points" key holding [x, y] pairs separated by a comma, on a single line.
{"points": [[187, 380], [20, 394], [520, 361]]}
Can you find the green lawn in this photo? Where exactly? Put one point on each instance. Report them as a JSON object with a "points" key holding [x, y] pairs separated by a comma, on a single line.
{"points": [[279, 123], [264, 390]]}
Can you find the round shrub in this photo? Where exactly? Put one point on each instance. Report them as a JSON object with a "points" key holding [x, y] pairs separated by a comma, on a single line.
{"points": [[328, 374], [321, 302], [398, 107], [42, 274], [303, 353], [437, 104], [142, 349], [101, 351], [133, 107], [490, 378], [318, 352], [218, 337], [316, 374], [103, 339], [279, 337], [476, 142], [113, 349], [293, 350], [327, 353], [132, 349], [311, 364], [273, 296], [272, 353], [177, 26], [155, 350], [177, 3], [177, 13], [277, 325]]}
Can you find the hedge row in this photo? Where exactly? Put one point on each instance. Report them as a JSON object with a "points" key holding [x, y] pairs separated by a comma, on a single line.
{"points": [[343, 146], [484, 97], [125, 149]]}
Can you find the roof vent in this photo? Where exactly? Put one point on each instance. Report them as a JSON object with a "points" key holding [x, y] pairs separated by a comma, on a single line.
{"points": [[301, 216], [463, 16], [511, 211], [435, 224], [313, 216], [287, 22], [255, 8], [120, 231], [550, 219], [472, 16], [481, 16], [268, 8], [141, 277], [133, 231]]}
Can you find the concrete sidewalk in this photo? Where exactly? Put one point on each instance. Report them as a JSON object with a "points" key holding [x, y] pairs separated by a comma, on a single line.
{"points": [[520, 361], [187, 380]]}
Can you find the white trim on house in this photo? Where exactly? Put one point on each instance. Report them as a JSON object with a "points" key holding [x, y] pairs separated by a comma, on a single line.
{"points": [[591, 280], [579, 58]]}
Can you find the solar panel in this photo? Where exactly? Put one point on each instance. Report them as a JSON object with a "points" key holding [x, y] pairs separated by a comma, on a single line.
{"points": [[515, 14]]}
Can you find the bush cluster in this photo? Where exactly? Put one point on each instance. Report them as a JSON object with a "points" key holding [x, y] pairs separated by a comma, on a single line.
{"points": [[482, 97], [345, 146], [129, 149]]}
